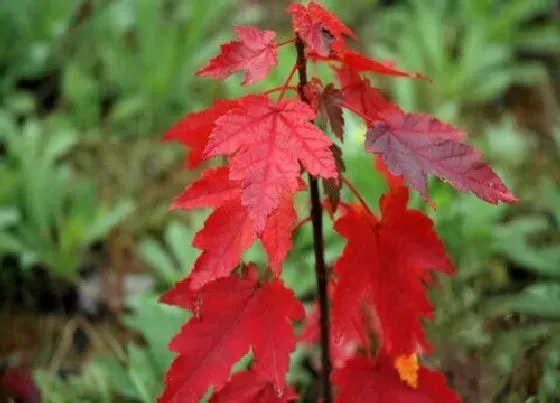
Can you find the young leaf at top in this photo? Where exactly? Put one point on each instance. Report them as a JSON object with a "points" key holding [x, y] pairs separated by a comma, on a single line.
{"points": [[266, 142], [321, 31], [248, 387], [413, 145], [236, 315], [389, 261], [363, 380], [193, 130], [255, 53]]}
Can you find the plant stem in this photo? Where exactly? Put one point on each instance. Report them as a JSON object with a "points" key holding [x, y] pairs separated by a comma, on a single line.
{"points": [[318, 246]]}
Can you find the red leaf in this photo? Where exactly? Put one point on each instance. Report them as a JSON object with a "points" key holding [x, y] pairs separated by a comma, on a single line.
{"points": [[181, 295], [213, 190], [267, 142], [236, 315], [321, 31], [364, 381], [277, 235], [248, 387], [359, 96], [193, 130], [388, 261], [358, 62], [228, 231], [255, 54], [226, 234], [413, 145], [330, 107]]}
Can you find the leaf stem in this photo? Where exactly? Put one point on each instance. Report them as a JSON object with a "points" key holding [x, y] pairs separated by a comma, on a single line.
{"points": [[286, 42], [318, 246], [287, 82], [355, 192], [301, 223], [280, 88]]}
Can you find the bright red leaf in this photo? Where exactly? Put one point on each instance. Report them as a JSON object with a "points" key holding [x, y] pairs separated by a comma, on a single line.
{"points": [[413, 145], [266, 142], [181, 295], [360, 63], [248, 387], [193, 130], [255, 53], [362, 380], [236, 316], [321, 31], [389, 261], [228, 232]]}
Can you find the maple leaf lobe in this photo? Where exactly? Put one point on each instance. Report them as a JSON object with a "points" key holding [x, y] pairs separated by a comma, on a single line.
{"points": [[194, 129]]}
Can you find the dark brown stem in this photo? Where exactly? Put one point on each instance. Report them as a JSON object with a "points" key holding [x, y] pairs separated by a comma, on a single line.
{"points": [[318, 246]]}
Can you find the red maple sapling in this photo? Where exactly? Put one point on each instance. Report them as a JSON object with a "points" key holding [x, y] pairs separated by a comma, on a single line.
{"points": [[378, 286]]}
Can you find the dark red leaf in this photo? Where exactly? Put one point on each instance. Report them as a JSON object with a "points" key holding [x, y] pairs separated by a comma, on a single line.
{"points": [[378, 382], [255, 53], [413, 145], [248, 387]]}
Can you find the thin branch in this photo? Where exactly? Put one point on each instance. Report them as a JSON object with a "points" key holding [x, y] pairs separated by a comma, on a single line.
{"points": [[287, 82], [286, 42], [318, 247], [301, 223], [355, 192], [280, 88]]}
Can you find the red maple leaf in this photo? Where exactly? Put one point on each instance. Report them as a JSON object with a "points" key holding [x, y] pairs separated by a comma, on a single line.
{"points": [[214, 189], [236, 316], [266, 142], [255, 53], [193, 130], [321, 31], [248, 387], [181, 295], [362, 380], [413, 145], [359, 96], [228, 231], [389, 261], [358, 62]]}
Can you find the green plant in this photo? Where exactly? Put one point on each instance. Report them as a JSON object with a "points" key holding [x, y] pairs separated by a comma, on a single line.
{"points": [[470, 46], [170, 261], [137, 57], [59, 216]]}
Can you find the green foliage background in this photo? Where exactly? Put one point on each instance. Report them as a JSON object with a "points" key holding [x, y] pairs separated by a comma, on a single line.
{"points": [[88, 87]]}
